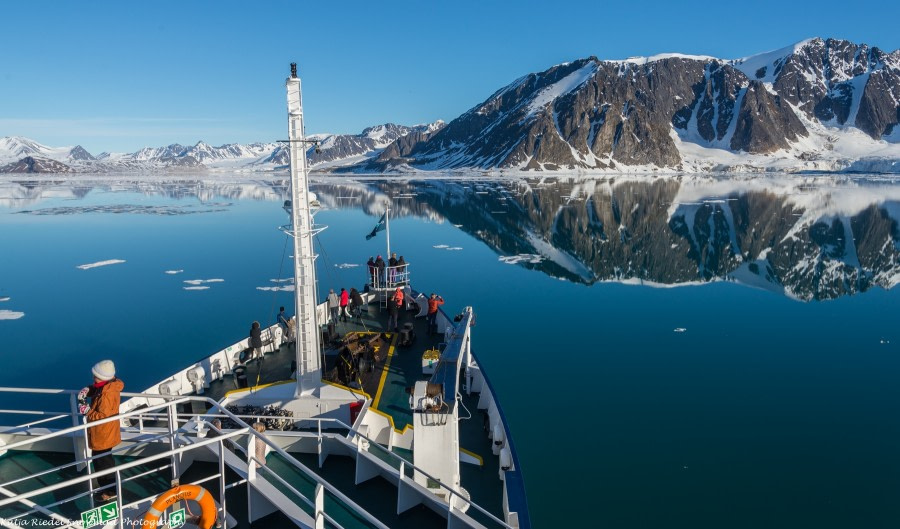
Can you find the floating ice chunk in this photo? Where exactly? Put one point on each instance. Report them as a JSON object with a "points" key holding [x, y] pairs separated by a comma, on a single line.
{"points": [[885, 341], [100, 263], [10, 315], [530, 258], [346, 265], [285, 288], [196, 288], [440, 246], [457, 225], [173, 272], [679, 329], [201, 281], [455, 248], [285, 280], [4, 298]]}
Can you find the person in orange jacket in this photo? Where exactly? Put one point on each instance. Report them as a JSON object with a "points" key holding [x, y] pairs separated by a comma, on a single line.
{"points": [[105, 395], [434, 302]]}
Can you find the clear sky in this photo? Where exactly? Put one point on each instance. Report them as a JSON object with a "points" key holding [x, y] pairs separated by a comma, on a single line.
{"points": [[117, 76]]}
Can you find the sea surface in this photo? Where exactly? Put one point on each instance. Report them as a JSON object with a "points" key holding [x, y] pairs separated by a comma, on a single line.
{"points": [[645, 386]]}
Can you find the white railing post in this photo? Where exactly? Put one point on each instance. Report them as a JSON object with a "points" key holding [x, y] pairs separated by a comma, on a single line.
{"points": [[320, 506], [89, 468], [170, 411], [222, 476], [119, 498], [79, 451]]}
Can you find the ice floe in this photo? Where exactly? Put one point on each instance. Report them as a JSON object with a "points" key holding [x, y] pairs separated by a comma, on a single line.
{"points": [[173, 272], [197, 288], [530, 258], [440, 246], [679, 329], [202, 281], [100, 263], [346, 265], [284, 288], [4, 298], [10, 315]]}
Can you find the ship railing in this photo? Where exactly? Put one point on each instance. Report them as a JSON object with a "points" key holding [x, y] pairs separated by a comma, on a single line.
{"points": [[319, 427], [173, 454], [172, 419], [389, 279]]}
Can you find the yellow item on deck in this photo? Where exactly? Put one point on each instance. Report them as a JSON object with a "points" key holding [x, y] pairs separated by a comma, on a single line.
{"points": [[429, 360]]}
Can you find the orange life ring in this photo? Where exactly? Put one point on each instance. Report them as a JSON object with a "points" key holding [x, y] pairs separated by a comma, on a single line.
{"points": [[184, 492]]}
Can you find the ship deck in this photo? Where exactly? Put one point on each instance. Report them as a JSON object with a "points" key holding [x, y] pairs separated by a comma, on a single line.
{"points": [[386, 384]]}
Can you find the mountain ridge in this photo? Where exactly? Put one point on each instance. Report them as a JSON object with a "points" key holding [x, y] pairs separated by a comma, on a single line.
{"points": [[826, 105], [800, 108]]}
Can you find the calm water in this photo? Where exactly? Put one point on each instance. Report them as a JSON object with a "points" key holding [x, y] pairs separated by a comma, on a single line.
{"points": [[760, 411]]}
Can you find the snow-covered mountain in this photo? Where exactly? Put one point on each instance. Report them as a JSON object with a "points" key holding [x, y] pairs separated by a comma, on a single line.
{"points": [[333, 150], [14, 148], [827, 105]]}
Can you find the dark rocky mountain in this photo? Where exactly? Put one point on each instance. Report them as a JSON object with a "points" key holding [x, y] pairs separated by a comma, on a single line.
{"points": [[35, 164], [593, 114], [79, 153], [372, 140], [825, 77], [669, 233]]}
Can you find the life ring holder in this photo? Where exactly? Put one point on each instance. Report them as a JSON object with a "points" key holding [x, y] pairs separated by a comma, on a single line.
{"points": [[165, 500]]}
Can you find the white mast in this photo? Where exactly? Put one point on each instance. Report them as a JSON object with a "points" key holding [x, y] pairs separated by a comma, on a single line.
{"points": [[387, 231], [309, 367]]}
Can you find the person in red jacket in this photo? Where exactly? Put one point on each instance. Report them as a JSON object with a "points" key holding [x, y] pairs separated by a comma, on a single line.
{"points": [[102, 438], [434, 302], [345, 300]]}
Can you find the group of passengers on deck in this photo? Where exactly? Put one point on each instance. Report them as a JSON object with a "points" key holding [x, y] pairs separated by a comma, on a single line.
{"points": [[388, 275]]}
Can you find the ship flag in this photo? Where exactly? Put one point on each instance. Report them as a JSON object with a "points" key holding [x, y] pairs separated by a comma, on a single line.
{"points": [[378, 227]]}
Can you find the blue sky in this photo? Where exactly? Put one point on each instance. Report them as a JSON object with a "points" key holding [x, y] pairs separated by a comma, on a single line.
{"points": [[118, 76]]}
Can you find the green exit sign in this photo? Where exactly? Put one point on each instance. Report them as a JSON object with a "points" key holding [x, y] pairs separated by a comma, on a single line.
{"points": [[101, 514]]}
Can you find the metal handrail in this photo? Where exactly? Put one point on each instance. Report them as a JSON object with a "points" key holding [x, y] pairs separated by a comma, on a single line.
{"points": [[391, 277], [75, 463], [117, 417], [75, 497], [174, 400], [246, 429]]}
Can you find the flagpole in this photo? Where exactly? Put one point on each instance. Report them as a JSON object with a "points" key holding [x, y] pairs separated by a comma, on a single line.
{"points": [[387, 228]]}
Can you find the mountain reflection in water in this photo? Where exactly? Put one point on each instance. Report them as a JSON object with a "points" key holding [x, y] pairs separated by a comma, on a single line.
{"points": [[807, 241], [807, 238]]}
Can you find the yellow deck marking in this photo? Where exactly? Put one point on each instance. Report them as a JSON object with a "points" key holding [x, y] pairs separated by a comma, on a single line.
{"points": [[253, 388], [351, 390], [391, 421], [384, 372], [473, 454]]}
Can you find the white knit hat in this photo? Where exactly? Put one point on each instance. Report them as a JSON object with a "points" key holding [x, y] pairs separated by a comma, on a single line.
{"points": [[104, 370]]}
